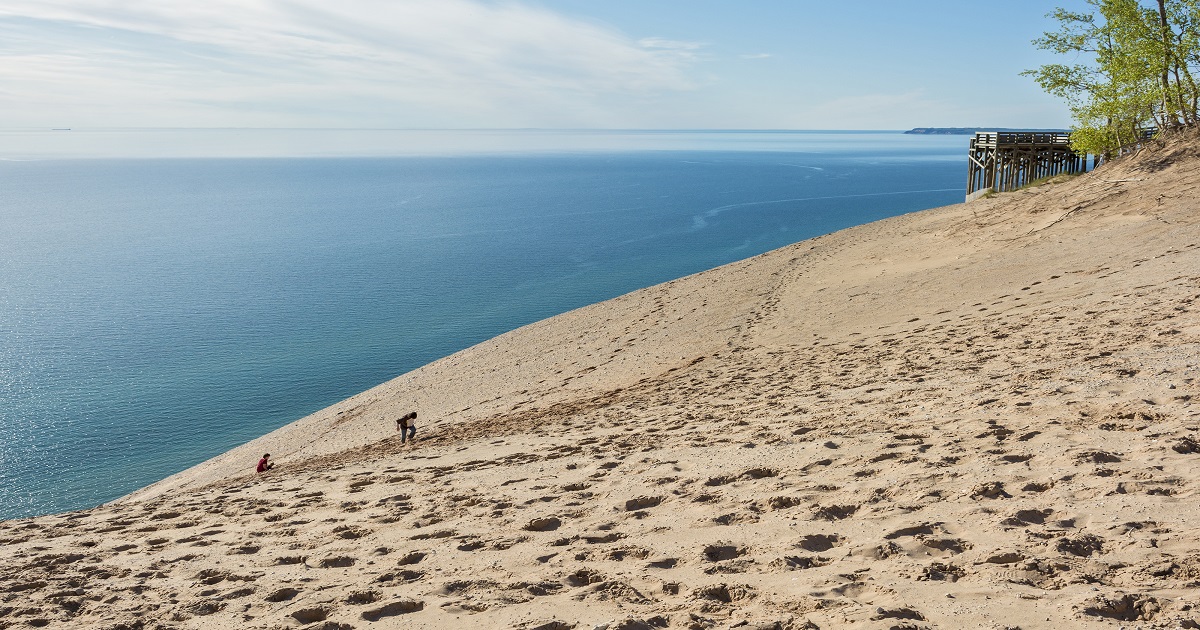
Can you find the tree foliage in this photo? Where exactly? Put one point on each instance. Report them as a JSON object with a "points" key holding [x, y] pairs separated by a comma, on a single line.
{"points": [[1136, 69]]}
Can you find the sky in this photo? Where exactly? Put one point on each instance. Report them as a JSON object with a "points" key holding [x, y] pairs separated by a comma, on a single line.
{"points": [[550, 64]]}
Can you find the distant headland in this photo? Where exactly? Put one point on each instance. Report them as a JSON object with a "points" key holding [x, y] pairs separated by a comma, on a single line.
{"points": [[965, 131]]}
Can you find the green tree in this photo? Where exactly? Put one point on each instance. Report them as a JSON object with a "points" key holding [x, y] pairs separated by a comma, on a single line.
{"points": [[1136, 71], [1185, 56]]}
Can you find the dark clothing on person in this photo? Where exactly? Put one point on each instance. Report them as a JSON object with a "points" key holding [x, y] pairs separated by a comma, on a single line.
{"points": [[407, 431], [264, 465]]}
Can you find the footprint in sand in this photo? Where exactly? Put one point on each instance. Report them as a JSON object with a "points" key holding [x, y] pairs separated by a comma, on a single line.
{"points": [[990, 490], [1028, 517], [783, 503], [311, 615], [663, 563], [735, 518], [1083, 545], [725, 593], [336, 562], [350, 532], [619, 555], [642, 503], [798, 563], [585, 577], [282, 595], [898, 613], [1037, 486], [412, 557], [833, 512], [360, 598], [947, 546], [722, 551], [820, 542]]}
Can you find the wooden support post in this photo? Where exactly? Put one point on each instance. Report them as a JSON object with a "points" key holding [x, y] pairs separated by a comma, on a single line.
{"points": [[1007, 160]]}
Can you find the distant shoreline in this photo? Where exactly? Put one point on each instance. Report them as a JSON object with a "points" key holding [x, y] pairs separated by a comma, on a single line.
{"points": [[966, 131]]}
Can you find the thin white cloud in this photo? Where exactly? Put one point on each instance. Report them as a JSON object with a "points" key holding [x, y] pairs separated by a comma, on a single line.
{"points": [[312, 62], [879, 110], [756, 56], [669, 44], [684, 52]]}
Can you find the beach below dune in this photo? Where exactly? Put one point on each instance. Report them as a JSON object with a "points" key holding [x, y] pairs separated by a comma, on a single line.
{"points": [[976, 416]]}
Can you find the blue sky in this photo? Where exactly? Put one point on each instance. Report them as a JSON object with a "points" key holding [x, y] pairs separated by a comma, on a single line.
{"points": [[626, 64]]}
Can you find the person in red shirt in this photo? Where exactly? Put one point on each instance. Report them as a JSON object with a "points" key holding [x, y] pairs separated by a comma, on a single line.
{"points": [[265, 463]]}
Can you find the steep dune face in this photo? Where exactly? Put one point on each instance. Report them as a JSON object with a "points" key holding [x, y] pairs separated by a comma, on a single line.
{"points": [[975, 416], [578, 355]]}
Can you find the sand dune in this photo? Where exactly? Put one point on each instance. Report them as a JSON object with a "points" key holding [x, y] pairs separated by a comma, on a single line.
{"points": [[978, 416]]}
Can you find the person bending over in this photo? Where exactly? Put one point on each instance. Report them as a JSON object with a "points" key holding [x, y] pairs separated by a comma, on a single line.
{"points": [[407, 424], [265, 463]]}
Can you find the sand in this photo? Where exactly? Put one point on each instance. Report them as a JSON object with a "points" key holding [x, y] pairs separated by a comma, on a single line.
{"points": [[977, 416]]}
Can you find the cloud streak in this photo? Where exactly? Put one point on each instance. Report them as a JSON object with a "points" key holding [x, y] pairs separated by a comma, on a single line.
{"points": [[416, 63], [879, 110]]}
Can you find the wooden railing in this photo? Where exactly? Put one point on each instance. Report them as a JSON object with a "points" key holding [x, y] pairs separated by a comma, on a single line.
{"points": [[993, 139], [1006, 160]]}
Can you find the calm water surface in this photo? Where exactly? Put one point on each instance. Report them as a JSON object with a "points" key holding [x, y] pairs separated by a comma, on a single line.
{"points": [[157, 312]]}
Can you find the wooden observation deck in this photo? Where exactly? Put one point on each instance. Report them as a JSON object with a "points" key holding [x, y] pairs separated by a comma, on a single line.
{"points": [[1006, 160]]}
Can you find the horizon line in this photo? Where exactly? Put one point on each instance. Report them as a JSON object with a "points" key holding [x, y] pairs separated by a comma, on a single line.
{"points": [[526, 129]]}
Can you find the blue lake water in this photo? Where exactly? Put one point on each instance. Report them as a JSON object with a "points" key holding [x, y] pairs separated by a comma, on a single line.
{"points": [[157, 312]]}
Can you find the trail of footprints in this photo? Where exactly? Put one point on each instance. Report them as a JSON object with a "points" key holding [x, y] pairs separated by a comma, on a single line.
{"points": [[263, 539], [610, 500]]}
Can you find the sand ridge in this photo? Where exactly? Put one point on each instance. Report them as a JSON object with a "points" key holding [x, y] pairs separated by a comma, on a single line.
{"points": [[978, 416]]}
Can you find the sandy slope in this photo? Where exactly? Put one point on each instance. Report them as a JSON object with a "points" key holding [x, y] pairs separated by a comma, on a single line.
{"points": [[978, 416]]}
